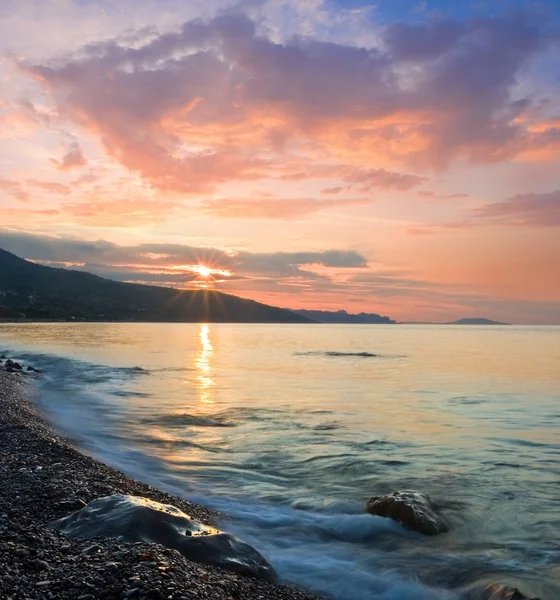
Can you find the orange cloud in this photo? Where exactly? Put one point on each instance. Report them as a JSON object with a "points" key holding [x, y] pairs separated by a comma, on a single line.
{"points": [[281, 208], [49, 186], [114, 213]]}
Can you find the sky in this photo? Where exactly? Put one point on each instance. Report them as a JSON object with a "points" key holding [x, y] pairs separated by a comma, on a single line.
{"points": [[399, 157]]}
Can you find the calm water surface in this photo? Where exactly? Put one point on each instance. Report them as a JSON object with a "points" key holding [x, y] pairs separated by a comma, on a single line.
{"points": [[289, 429]]}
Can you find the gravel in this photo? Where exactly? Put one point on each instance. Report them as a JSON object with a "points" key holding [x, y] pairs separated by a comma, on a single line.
{"points": [[42, 478]]}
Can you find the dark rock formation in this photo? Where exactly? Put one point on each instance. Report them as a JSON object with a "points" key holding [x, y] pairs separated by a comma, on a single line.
{"points": [[411, 509], [495, 591], [136, 519], [13, 365]]}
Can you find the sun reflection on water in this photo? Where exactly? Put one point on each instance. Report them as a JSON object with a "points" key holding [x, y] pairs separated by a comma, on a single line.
{"points": [[203, 366]]}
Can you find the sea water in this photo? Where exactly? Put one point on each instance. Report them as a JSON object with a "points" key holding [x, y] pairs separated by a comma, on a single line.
{"points": [[289, 429]]}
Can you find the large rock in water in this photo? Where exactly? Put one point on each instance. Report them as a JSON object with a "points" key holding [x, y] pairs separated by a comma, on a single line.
{"points": [[503, 592], [136, 519], [411, 509]]}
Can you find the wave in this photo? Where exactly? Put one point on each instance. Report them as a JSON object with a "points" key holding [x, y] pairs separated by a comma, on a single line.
{"points": [[467, 400], [334, 553], [186, 420]]}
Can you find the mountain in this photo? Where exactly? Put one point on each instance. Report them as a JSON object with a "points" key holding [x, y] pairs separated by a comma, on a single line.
{"points": [[29, 290], [476, 321], [341, 316]]}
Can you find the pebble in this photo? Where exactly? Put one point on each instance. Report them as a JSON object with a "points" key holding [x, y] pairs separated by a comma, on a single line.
{"points": [[41, 565]]}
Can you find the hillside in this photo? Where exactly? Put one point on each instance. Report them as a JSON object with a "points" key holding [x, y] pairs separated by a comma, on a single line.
{"points": [[32, 291], [341, 316], [476, 321]]}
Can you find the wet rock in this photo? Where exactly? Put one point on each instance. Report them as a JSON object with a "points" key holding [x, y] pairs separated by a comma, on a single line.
{"points": [[412, 509], [136, 519], [495, 591], [14, 365], [34, 370]]}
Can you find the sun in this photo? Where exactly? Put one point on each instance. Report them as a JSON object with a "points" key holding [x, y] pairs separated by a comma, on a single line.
{"points": [[203, 271]]}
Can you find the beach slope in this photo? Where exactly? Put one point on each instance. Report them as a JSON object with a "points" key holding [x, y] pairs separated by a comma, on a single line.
{"points": [[44, 478]]}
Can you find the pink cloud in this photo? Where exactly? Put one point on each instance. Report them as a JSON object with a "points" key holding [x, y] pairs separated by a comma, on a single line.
{"points": [[537, 210], [336, 190], [73, 159], [217, 102], [14, 189], [436, 195]]}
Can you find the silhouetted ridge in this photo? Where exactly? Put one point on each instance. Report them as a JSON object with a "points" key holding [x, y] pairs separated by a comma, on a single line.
{"points": [[29, 290]]}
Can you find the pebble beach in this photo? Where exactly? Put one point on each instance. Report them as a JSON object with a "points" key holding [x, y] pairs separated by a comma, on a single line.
{"points": [[43, 478]]}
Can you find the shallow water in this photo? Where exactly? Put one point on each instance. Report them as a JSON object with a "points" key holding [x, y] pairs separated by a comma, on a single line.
{"points": [[289, 429]]}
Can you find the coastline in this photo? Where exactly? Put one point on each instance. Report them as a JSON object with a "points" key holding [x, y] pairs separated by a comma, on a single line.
{"points": [[45, 478]]}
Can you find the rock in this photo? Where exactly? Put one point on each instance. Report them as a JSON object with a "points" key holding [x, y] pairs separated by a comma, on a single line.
{"points": [[41, 565], [93, 549], [411, 509], [14, 365], [34, 370], [495, 591], [136, 519]]}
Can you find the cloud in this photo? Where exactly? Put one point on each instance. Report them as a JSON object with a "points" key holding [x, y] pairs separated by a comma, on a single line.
{"points": [[171, 264], [218, 100], [534, 210], [73, 159], [423, 42], [336, 190], [14, 189], [324, 278], [277, 208], [367, 178], [19, 118], [439, 196], [49, 186], [522, 210], [100, 211]]}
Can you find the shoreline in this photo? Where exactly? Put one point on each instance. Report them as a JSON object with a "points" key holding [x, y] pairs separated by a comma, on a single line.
{"points": [[44, 477]]}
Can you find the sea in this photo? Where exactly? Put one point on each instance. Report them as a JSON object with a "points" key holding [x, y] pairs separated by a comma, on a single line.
{"points": [[290, 429]]}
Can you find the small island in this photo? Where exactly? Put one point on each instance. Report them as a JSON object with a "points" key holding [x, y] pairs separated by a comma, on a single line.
{"points": [[476, 321]]}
